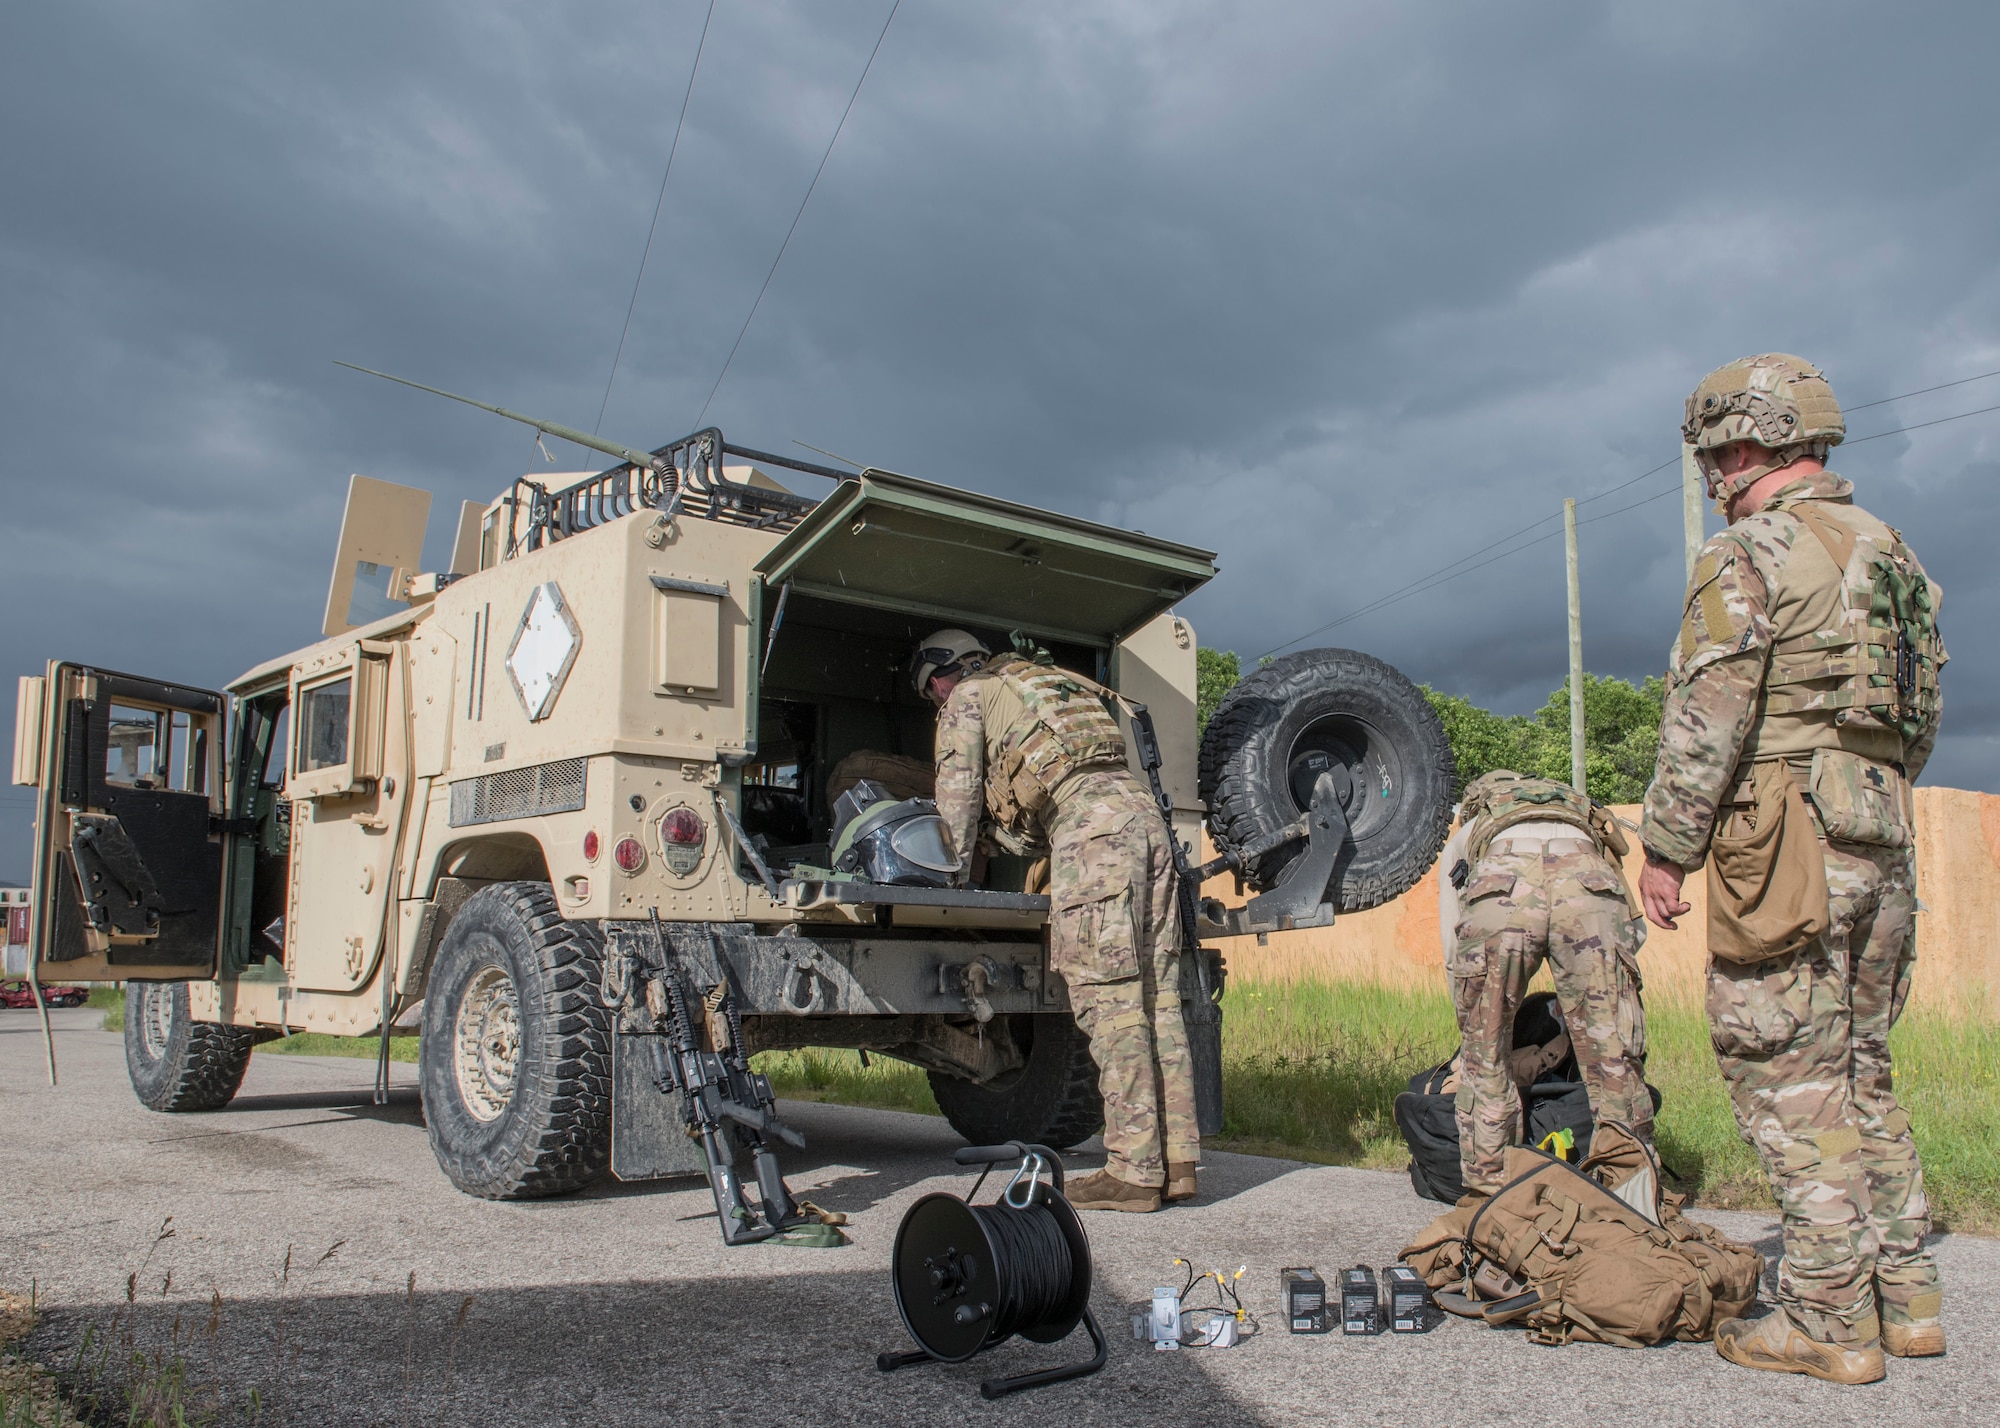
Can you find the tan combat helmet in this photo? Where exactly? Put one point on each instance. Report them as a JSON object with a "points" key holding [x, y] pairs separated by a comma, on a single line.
{"points": [[946, 652], [1774, 399]]}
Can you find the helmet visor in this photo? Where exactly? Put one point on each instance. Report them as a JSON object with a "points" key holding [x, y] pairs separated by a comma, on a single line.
{"points": [[923, 842]]}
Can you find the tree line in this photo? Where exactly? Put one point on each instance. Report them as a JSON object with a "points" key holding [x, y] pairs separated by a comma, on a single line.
{"points": [[1621, 729]]}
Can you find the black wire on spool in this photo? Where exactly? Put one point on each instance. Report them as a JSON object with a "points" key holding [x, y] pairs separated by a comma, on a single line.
{"points": [[968, 1277], [1032, 1266]]}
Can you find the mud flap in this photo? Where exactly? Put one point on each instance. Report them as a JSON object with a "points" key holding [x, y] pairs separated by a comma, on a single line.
{"points": [[1202, 1015], [649, 1140]]}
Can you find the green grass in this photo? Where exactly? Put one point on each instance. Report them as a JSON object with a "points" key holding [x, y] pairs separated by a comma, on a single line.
{"points": [[839, 1076], [402, 1047], [1311, 1070], [111, 1001]]}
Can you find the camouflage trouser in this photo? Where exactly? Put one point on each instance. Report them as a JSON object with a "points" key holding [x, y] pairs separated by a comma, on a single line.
{"points": [[1524, 902], [1803, 1042], [1111, 886]]}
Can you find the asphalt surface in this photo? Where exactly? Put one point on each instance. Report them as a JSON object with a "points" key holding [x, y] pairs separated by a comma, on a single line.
{"points": [[621, 1305]]}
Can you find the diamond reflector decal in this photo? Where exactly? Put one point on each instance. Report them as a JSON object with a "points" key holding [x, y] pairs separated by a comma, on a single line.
{"points": [[544, 647]]}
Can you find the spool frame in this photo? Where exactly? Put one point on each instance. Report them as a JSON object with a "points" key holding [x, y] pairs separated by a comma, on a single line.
{"points": [[1052, 1328]]}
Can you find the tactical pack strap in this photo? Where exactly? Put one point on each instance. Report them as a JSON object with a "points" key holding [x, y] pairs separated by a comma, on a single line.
{"points": [[1794, 670], [1834, 534]]}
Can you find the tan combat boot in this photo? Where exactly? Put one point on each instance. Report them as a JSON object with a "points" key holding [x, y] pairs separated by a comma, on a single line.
{"points": [[1180, 1180], [1101, 1190], [1910, 1328], [1918, 1339], [1775, 1343]]}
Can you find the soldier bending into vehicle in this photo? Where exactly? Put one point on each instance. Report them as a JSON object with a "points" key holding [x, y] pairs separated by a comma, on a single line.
{"points": [[1532, 873], [1802, 699], [1033, 748]]}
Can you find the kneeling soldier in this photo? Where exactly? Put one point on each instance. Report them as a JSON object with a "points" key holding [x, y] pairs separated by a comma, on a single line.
{"points": [[1034, 748], [1533, 873]]}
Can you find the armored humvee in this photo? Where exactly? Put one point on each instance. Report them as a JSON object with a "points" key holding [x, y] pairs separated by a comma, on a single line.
{"points": [[571, 795]]}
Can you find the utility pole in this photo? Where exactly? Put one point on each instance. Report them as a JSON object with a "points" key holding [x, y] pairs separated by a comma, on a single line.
{"points": [[1576, 777], [1692, 491]]}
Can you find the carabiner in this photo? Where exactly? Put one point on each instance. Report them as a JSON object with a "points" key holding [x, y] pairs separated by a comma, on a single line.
{"points": [[1032, 1166]]}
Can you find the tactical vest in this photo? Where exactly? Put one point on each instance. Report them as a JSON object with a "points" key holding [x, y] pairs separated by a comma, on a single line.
{"points": [[1499, 800], [1876, 665], [1050, 724]]}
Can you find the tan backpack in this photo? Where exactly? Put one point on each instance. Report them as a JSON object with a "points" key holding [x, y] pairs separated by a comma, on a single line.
{"points": [[1597, 1252]]}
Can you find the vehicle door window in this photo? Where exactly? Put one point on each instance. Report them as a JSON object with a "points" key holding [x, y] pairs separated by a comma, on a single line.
{"points": [[138, 745], [323, 725], [156, 749]]}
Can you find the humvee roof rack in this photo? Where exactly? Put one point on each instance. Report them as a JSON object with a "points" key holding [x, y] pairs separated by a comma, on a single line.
{"points": [[689, 469]]}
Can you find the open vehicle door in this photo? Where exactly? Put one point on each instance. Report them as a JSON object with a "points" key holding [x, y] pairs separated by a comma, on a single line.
{"points": [[129, 833]]}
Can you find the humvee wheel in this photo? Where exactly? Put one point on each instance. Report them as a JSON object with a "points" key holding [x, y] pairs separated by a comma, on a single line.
{"points": [[1052, 1100], [516, 1051], [177, 1063], [1344, 713]]}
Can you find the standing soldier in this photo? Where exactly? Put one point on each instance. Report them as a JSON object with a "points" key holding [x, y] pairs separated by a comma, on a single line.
{"points": [[1533, 874], [1034, 748], [1807, 664]]}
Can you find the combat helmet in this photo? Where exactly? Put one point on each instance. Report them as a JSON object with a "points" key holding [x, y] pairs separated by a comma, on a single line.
{"points": [[1774, 399], [946, 652]]}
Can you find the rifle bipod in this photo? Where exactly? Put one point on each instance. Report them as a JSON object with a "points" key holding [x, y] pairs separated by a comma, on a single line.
{"points": [[724, 1104], [968, 1277]]}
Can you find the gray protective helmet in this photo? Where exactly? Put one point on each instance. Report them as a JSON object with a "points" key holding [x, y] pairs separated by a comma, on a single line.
{"points": [[891, 841], [945, 652]]}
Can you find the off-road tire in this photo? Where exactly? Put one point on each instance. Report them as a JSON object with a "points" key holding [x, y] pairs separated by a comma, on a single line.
{"points": [[551, 1133], [177, 1063], [1052, 1100], [1258, 766]]}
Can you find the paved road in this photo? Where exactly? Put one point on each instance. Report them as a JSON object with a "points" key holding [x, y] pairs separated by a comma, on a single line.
{"points": [[621, 1306]]}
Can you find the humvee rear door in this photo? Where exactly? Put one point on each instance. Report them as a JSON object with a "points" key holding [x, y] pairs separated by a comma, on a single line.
{"points": [[128, 838], [898, 543]]}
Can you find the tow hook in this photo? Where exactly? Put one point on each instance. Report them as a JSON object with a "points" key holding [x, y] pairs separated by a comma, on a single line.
{"points": [[970, 982]]}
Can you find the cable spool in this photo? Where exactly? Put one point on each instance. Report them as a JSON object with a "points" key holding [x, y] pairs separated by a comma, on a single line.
{"points": [[968, 1277]]}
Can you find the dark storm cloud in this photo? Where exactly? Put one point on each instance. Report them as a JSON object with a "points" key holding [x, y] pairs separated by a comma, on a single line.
{"points": [[1345, 291]]}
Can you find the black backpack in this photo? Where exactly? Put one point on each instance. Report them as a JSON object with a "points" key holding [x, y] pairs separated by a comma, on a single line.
{"points": [[1555, 1100]]}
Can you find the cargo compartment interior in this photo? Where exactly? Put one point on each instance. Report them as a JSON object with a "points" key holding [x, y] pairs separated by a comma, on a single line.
{"points": [[836, 685]]}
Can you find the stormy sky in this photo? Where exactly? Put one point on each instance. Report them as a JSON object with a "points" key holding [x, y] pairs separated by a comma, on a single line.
{"points": [[1345, 291]]}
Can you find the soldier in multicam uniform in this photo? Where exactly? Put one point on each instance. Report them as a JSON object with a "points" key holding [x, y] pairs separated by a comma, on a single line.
{"points": [[1808, 650], [1034, 748], [1532, 874]]}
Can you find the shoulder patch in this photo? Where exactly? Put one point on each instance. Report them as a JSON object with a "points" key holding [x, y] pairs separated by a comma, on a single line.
{"points": [[1706, 620]]}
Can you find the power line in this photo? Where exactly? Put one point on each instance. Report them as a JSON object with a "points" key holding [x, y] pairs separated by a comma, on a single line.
{"points": [[1919, 425], [1444, 574], [1884, 401], [658, 203], [801, 213]]}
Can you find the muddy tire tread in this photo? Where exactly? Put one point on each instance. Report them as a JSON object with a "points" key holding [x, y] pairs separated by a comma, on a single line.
{"points": [[557, 1137]]}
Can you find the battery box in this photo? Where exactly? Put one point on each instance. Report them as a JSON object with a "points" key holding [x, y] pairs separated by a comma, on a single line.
{"points": [[1360, 1305], [1303, 1293], [1411, 1309]]}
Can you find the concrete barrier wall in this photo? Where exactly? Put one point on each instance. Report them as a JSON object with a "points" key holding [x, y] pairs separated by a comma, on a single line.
{"points": [[1958, 932]]}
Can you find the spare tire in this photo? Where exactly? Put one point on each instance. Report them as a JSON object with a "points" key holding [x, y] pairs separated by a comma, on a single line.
{"points": [[1349, 714]]}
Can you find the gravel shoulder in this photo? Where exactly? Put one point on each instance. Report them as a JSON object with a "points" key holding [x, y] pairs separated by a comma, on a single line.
{"points": [[621, 1305]]}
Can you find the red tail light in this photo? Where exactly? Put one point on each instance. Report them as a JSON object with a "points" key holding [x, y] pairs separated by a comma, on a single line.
{"points": [[683, 826], [628, 854], [590, 846]]}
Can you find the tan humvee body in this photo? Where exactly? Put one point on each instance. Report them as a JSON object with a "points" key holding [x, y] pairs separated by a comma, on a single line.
{"points": [[552, 703]]}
